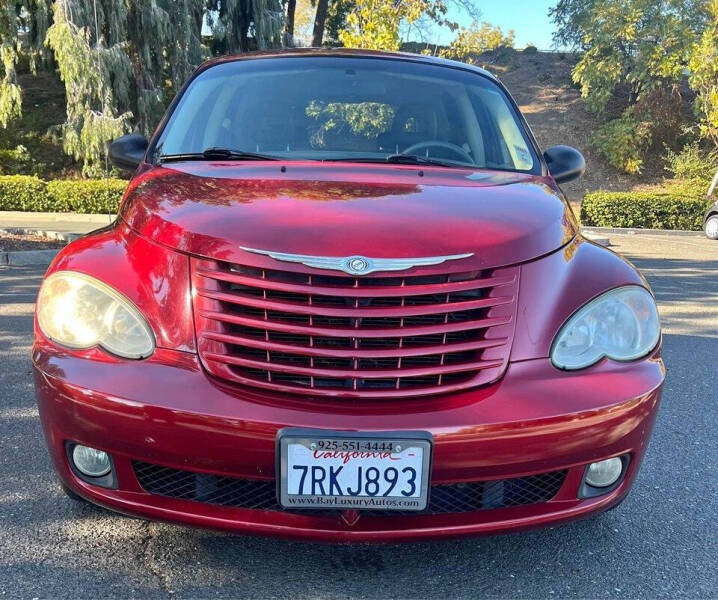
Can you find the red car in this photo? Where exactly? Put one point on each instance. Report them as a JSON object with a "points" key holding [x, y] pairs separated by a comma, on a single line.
{"points": [[346, 300]]}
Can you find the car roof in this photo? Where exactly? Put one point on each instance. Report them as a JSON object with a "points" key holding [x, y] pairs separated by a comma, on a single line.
{"points": [[346, 52]]}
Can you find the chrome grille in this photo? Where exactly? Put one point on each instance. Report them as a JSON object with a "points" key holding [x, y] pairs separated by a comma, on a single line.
{"points": [[377, 336]]}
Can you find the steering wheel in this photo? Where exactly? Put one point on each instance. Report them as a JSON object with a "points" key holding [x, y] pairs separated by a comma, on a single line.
{"points": [[465, 156]]}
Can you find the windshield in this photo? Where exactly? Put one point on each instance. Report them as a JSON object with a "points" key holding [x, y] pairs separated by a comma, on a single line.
{"points": [[336, 108]]}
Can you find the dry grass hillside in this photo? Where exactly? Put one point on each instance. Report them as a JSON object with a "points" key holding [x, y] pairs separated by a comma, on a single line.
{"points": [[541, 84]]}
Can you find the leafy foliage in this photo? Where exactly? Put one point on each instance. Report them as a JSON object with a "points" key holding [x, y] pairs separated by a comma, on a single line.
{"points": [[101, 196], [637, 44], [478, 38], [623, 142], [23, 192], [336, 22], [31, 18], [15, 161], [634, 55], [232, 21], [367, 119], [703, 78], [693, 163], [374, 24], [122, 61], [26, 193], [660, 209], [97, 73]]}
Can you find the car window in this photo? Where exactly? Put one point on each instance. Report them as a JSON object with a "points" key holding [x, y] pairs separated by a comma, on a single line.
{"points": [[338, 108]]}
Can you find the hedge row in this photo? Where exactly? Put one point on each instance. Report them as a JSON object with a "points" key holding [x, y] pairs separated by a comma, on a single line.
{"points": [[22, 192], [675, 207], [659, 209]]}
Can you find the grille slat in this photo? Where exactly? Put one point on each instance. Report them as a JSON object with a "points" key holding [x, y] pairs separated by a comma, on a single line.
{"points": [[262, 494], [393, 350], [376, 332], [366, 372], [431, 307], [365, 291], [378, 336]]}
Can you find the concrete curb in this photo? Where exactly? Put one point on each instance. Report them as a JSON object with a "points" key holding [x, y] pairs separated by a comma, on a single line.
{"points": [[26, 258], [601, 240], [631, 231], [35, 217], [49, 234]]}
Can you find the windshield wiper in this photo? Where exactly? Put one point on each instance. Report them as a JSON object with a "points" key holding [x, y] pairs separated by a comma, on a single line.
{"points": [[216, 154], [402, 159], [413, 159]]}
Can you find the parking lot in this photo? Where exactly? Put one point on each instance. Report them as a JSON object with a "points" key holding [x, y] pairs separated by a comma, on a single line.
{"points": [[661, 542]]}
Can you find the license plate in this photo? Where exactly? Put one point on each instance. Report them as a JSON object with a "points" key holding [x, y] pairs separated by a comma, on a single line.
{"points": [[350, 470]]}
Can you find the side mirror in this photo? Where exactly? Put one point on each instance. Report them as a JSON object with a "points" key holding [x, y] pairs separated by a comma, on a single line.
{"points": [[126, 152], [564, 163]]}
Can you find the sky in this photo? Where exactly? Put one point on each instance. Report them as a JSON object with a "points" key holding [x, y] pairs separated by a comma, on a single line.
{"points": [[528, 18]]}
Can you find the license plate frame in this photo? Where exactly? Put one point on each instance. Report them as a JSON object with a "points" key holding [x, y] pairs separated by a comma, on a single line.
{"points": [[405, 439]]}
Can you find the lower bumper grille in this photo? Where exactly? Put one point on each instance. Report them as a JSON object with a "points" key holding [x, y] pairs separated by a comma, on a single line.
{"points": [[261, 495]]}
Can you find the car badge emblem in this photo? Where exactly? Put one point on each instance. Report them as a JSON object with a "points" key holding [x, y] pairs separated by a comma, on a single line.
{"points": [[358, 265]]}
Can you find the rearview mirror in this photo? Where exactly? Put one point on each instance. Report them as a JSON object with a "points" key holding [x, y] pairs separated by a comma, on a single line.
{"points": [[126, 152], [564, 163]]}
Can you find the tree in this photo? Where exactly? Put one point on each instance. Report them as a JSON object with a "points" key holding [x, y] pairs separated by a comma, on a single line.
{"points": [[303, 26], [703, 78], [572, 20], [122, 60], [337, 19], [291, 10], [10, 98], [319, 20], [88, 44], [634, 53], [29, 19], [374, 24], [232, 22], [474, 40]]}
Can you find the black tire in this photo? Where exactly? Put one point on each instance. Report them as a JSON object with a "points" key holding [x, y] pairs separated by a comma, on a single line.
{"points": [[711, 227]]}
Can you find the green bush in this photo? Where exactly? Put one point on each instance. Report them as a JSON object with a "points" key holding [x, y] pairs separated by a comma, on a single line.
{"points": [[675, 207], [17, 161], [86, 196], [693, 163], [22, 192], [623, 142]]}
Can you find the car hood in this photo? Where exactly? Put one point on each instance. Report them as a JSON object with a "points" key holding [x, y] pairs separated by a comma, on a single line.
{"points": [[329, 209]]}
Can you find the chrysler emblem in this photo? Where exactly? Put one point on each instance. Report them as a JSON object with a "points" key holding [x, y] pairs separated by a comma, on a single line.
{"points": [[358, 265]]}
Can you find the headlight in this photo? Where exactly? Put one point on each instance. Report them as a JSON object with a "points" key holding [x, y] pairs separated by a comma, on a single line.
{"points": [[78, 311], [621, 324]]}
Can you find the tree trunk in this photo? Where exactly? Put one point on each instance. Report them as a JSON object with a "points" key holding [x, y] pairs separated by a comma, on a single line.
{"points": [[319, 20], [291, 8]]}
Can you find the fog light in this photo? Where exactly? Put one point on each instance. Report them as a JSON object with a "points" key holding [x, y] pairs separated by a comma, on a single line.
{"points": [[90, 461], [604, 473]]}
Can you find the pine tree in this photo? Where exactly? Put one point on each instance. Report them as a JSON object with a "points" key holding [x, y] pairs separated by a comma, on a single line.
{"points": [[89, 43], [123, 60], [22, 30]]}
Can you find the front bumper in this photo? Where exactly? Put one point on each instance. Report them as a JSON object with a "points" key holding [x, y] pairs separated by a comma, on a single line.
{"points": [[166, 411]]}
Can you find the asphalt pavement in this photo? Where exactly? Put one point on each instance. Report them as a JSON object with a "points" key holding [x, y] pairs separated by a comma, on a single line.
{"points": [[661, 542]]}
